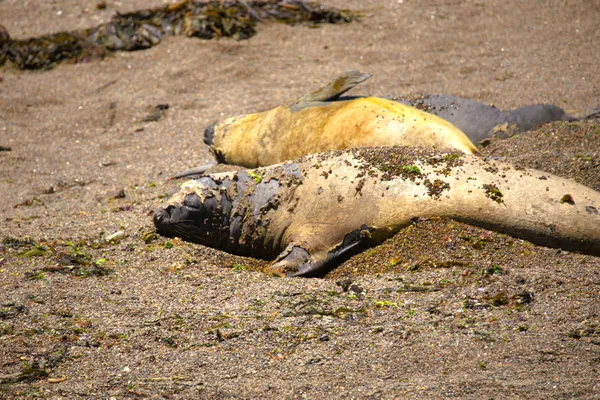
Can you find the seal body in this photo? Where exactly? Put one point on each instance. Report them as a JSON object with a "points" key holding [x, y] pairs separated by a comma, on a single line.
{"points": [[306, 214], [287, 132], [480, 121], [323, 120]]}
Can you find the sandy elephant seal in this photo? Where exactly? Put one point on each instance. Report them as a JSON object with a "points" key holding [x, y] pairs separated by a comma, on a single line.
{"points": [[309, 213]]}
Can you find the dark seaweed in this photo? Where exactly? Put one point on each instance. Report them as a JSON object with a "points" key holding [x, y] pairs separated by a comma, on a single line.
{"points": [[143, 29]]}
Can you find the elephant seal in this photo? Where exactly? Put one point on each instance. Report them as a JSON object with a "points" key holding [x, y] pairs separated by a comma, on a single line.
{"points": [[316, 124], [324, 120], [308, 214]]}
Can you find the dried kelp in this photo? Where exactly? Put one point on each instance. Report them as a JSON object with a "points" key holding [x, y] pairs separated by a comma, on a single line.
{"points": [[144, 29]]}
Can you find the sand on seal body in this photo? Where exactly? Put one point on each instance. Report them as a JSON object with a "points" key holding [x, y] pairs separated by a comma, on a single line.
{"points": [[308, 214]]}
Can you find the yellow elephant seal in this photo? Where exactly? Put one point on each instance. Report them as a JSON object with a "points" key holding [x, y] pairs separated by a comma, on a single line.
{"points": [[288, 132], [322, 121]]}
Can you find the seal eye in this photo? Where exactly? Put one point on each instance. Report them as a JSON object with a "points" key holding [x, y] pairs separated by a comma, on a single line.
{"points": [[192, 200]]}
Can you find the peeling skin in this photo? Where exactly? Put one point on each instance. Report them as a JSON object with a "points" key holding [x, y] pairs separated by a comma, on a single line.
{"points": [[283, 212], [264, 196], [292, 169], [234, 208], [591, 210]]}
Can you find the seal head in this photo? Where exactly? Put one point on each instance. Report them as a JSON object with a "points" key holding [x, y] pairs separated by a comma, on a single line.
{"points": [[198, 213]]}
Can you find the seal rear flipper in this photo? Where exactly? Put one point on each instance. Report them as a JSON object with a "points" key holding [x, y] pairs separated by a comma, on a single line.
{"points": [[534, 115], [333, 89], [195, 171]]}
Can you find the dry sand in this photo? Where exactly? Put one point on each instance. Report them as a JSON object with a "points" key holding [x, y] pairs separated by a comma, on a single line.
{"points": [[441, 310]]}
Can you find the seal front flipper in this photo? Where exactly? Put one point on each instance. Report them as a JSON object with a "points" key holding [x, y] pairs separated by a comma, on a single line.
{"points": [[302, 259], [291, 260], [297, 261], [333, 89], [209, 134]]}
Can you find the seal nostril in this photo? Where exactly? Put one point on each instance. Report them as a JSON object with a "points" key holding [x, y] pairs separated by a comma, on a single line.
{"points": [[160, 215]]}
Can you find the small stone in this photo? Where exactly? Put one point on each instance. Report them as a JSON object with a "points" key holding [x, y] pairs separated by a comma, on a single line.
{"points": [[115, 237]]}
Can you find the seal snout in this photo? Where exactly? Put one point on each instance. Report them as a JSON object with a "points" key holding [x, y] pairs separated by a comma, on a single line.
{"points": [[209, 134], [192, 219], [161, 219], [173, 220]]}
